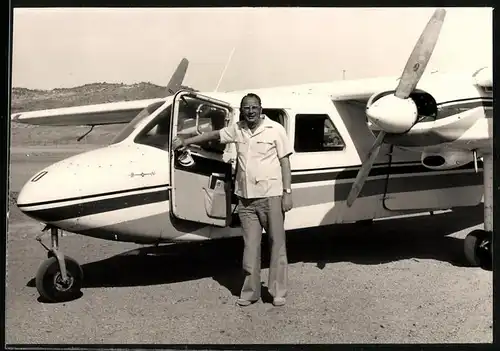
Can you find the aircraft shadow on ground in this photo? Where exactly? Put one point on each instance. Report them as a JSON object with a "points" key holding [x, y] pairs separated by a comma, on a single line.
{"points": [[381, 242]]}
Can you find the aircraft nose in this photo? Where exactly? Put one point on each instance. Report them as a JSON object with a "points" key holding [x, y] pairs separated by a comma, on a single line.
{"points": [[30, 191], [74, 193], [34, 194], [51, 194]]}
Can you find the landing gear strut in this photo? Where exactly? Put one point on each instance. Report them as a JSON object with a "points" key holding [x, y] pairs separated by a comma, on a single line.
{"points": [[478, 245], [60, 277]]}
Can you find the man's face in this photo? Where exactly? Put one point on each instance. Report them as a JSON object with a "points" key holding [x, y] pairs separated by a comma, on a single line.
{"points": [[250, 108]]}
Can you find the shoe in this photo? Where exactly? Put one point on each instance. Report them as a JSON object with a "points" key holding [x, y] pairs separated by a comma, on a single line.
{"points": [[243, 302], [279, 301]]}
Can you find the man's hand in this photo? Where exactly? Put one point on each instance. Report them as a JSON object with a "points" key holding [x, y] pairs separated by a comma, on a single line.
{"points": [[177, 143], [286, 202]]}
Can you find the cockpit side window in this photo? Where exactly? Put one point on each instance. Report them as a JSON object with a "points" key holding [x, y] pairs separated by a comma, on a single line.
{"points": [[157, 133], [129, 128]]}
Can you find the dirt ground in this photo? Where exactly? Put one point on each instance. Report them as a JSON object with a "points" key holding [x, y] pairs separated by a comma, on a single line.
{"points": [[395, 281]]}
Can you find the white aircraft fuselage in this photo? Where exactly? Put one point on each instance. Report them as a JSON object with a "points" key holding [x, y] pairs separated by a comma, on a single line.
{"points": [[122, 191]]}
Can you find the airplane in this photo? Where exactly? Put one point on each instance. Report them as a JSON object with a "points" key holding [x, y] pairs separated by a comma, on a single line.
{"points": [[363, 149]]}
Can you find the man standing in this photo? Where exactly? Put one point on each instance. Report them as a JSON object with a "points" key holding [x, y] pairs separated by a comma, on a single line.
{"points": [[263, 186]]}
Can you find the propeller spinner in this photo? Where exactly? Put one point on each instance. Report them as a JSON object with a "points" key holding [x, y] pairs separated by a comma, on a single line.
{"points": [[396, 113]]}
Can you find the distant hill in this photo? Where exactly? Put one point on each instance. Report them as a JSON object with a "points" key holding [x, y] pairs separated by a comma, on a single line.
{"points": [[96, 93], [24, 99]]}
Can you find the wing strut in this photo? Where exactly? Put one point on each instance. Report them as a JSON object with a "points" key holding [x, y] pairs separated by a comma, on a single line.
{"points": [[84, 135]]}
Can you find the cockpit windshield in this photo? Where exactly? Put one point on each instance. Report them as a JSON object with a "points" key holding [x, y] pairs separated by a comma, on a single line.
{"points": [[129, 128]]}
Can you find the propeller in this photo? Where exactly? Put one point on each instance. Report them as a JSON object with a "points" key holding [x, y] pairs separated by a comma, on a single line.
{"points": [[395, 113], [177, 77]]}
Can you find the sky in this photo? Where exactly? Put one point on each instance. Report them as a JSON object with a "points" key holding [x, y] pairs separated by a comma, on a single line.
{"points": [[62, 48]]}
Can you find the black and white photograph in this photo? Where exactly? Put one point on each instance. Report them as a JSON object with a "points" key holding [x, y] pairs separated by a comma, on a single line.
{"points": [[250, 175]]}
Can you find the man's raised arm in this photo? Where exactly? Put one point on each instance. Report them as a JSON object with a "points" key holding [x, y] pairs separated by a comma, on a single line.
{"points": [[224, 135]]}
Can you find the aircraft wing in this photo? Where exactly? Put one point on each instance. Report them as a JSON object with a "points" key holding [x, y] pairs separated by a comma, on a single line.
{"points": [[359, 91], [100, 114], [356, 90]]}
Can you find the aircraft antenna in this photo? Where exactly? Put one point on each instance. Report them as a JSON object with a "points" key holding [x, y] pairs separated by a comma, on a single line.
{"points": [[225, 68]]}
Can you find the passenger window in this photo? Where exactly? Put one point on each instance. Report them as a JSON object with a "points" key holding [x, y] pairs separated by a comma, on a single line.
{"points": [[316, 132]]}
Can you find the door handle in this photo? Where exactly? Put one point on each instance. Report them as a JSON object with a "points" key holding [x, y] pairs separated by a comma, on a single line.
{"points": [[185, 158]]}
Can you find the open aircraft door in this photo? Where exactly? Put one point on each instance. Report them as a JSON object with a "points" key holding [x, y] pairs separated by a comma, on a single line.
{"points": [[201, 181]]}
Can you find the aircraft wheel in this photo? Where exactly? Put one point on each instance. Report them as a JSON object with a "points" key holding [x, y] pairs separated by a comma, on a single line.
{"points": [[49, 281], [477, 249]]}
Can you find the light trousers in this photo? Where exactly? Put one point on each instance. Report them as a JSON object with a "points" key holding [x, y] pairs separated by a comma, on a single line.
{"points": [[255, 215]]}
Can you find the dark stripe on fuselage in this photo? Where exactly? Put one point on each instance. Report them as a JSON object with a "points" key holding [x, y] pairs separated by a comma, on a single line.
{"points": [[357, 167], [321, 194], [98, 206], [206, 167], [372, 187], [86, 197], [352, 173]]}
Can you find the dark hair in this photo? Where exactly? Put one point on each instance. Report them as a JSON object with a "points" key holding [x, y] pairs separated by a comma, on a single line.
{"points": [[251, 95]]}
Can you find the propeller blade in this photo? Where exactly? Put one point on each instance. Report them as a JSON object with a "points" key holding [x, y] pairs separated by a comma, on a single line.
{"points": [[177, 78], [422, 52], [415, 67], [365, 170]]}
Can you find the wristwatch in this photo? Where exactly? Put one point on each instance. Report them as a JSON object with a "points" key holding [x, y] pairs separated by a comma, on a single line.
{"points": [[288, 191]]}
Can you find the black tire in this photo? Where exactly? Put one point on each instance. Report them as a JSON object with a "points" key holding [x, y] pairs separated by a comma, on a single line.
{"points": [[476, 255], [48, 280]]}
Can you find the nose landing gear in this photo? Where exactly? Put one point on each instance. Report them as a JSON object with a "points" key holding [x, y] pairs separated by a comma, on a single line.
{"points": [[60, 277]]}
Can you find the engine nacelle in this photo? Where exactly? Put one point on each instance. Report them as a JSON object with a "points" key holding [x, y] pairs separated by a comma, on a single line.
{"points": [[386, 112], [446, 159]]}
